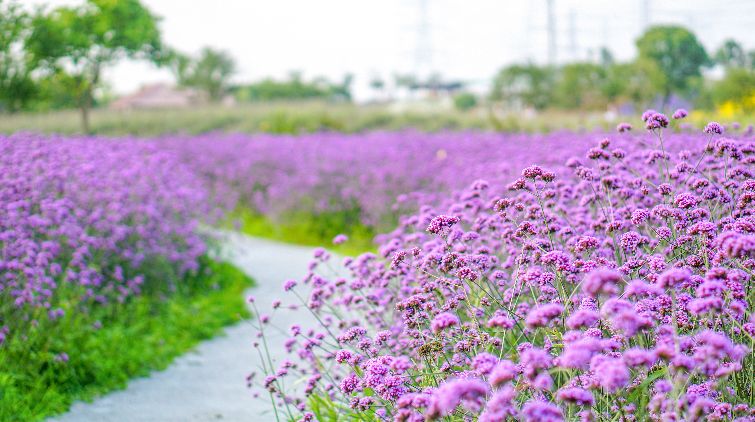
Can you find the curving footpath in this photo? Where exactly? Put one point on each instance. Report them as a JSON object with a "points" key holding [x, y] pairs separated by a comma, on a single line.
{"points": [[208, 383]]}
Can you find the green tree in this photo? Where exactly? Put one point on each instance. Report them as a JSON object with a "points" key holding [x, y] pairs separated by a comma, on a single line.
{"points": [[581, 85], [56, 91], [738, 86], [210, 72], [407, 81], [731, 54], [82, 41], [377, 83], [465, 101], [677, 53], [342, 91], [524, 85], [17, 89], [637, 82], [606, 57]]}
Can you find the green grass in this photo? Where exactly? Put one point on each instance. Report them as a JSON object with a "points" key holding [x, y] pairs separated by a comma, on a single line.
{"points": [[144, 334], [309, 230], [312, 116], [274, 117]]}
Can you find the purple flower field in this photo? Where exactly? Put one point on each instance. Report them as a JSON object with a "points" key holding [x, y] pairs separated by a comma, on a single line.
{"points": [[92, 214], [378, 176], [540, 277], [90, 211], [608, 278], [400, 219]]}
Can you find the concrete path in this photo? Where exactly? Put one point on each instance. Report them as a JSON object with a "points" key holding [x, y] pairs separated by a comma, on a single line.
{"points": [[208, 383]]}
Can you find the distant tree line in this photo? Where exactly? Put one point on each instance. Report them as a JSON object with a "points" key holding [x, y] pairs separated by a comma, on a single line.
{"points": [[210, 71], [54, 58], [669, 64], [295, 88]]}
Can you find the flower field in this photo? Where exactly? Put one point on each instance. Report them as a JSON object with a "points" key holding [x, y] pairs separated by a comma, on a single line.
{"points": [[572, 277], [92, 212], [100, 260], [561, 276], [355, 183], [395, 212]]}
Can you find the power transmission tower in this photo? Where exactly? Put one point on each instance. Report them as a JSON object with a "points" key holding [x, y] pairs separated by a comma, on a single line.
{"points": [[551, 33], [645, 12], [573, 35], [423, 60]]}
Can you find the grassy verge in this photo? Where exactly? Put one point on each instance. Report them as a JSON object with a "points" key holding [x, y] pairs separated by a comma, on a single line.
{"points": [[274, 117], [313, 116], [308, 230], [106, 346]]}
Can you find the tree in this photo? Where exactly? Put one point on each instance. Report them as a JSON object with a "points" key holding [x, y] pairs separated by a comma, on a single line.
{"points": [[677, 53], [731, 54], [342, 91], [377, 83], [606, 57], [524, 85], [737, 87], [82, 41], [407, 81], [464, 101], [210, 72], [17, 88], [638, 82], [581, 85]]}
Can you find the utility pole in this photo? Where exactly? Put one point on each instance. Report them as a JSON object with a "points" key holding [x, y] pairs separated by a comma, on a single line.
{"points": [[551, 33]]}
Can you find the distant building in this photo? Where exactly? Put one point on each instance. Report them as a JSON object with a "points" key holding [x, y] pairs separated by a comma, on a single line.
{"points": [[159, 95]]}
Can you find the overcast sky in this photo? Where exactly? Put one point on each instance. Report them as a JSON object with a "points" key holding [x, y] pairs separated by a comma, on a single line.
{"points": [[461, 39]]}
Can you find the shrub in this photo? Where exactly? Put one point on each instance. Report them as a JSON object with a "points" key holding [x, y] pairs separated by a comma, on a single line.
{"points": [[465, 101]]}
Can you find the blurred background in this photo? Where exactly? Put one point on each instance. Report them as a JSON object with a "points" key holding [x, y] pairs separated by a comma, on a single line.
{"points": [[295, 66]]}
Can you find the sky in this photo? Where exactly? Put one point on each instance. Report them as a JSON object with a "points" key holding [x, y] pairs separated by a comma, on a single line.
{"points": [[466, 40]]}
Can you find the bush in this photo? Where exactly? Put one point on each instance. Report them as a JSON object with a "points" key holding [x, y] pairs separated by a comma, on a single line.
{"points": [[465, 101]]}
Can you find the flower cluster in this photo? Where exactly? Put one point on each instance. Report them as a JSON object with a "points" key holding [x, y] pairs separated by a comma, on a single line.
{"points": [[614, 287], [90, 215]]}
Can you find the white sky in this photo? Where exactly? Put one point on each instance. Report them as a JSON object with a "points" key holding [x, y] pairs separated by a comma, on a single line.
{"points": [[467, 39]]}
